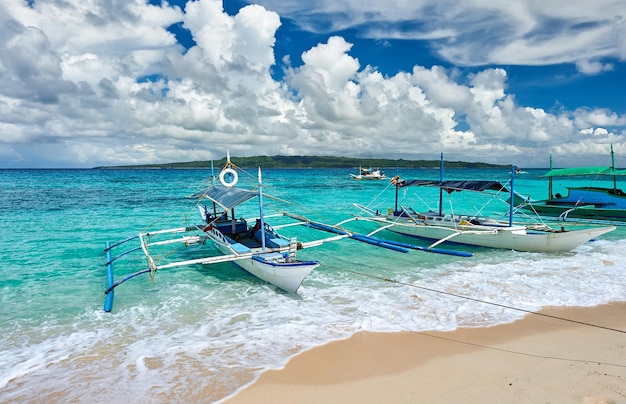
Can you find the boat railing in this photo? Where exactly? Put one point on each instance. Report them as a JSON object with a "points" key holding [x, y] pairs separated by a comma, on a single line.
{"points": [[215, 233], [406, 210], [293, 247]]}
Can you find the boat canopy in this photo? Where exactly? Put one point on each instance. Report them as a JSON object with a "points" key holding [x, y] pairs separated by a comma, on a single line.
{"points": [[227, 198], [458, 185], [589, 170]]}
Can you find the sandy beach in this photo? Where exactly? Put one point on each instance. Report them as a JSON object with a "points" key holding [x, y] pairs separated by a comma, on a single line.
{"points": [[538, 359]]}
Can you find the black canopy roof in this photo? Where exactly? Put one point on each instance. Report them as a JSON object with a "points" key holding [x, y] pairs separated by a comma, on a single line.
{"points": [[455, 185]]}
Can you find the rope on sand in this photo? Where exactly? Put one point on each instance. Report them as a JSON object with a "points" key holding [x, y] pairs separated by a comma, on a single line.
{"points": [[385, 279]]}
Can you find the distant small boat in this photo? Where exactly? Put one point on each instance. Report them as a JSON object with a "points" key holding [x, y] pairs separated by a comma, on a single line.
{"points": [[369, 174], [587, 202]]}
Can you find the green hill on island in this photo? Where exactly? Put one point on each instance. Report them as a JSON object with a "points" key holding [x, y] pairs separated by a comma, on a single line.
{"points": [[308, 162]]}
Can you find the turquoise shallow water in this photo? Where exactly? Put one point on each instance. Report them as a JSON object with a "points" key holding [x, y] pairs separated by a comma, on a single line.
{"points": [[200, 333]]}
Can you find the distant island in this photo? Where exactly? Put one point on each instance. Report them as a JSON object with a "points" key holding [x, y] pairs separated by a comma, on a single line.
{"points": [[308, 162]]}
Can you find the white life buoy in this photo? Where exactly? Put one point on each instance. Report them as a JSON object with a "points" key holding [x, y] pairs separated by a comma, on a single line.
{"points": [[233, 173]]}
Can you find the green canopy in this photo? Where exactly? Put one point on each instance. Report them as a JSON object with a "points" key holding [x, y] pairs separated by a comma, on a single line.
{"points": [[590, 170]]}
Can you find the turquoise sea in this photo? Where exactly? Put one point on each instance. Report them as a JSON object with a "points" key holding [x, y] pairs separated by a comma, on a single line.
{"points": [[199, 334]]}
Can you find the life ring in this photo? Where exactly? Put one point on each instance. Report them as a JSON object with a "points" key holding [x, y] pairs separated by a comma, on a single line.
{"points": [[233, 182], [395, 180]]}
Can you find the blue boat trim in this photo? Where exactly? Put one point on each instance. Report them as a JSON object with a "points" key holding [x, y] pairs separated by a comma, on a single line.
{"points": [[260, 258]]}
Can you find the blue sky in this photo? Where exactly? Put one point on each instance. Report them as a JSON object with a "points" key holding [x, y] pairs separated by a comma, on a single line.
{"points": [[90, 83]]}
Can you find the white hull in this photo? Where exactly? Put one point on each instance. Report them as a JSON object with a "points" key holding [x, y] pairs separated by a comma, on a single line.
{"points": [[520, 238], [274, 266], [368, 177]]}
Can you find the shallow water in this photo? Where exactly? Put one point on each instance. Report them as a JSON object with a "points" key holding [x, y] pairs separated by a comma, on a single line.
{"points": [[200, 333]]}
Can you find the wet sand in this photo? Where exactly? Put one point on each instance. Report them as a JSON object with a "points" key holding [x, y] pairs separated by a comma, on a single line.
{"points": [[537, 359]]}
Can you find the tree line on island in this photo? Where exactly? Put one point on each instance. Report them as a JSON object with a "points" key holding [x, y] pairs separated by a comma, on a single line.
{"points": [[308, 162]]}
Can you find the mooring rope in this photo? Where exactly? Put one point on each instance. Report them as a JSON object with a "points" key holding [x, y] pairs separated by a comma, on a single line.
{"points": [[517, 352], [386, 279], [484, 301], [426, 334]]}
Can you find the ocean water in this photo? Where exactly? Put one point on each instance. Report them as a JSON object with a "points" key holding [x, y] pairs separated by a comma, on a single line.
{"points": [[198, 334]]}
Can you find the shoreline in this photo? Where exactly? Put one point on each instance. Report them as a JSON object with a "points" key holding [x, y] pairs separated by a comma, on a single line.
{"points": [[536, 359]]}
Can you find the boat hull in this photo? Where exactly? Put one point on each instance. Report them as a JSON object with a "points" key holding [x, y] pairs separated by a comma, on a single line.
{"points": [[517, 238], [368, 177], [273, 266], [287, 276]]}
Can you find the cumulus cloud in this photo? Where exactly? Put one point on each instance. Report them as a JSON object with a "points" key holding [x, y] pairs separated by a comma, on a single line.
{"points": [[87, 83], [597, 117]]}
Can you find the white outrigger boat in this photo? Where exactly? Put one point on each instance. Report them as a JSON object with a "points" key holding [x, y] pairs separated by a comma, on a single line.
{"points": [[475, 230], [257, 248], [369, 174]]}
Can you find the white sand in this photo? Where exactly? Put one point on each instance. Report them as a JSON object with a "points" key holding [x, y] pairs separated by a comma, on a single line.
{"points": [[534, 360]]}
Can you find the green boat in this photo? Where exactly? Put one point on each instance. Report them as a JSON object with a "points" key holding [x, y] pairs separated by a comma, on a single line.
{"points": [[595, 203]]}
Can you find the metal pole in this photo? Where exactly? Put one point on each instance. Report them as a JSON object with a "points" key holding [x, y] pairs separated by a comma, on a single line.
{"points": [[550, 180], [440, 189], [261, 210], [613, 168], [511, 197]]}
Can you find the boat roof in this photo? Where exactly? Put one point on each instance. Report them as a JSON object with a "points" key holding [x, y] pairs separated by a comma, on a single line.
{"points": [[589, 170], [227, 198], [457, 185]]}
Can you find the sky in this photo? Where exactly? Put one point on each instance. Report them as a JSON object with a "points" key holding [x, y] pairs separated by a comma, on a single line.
{"points": [[87, 83]]}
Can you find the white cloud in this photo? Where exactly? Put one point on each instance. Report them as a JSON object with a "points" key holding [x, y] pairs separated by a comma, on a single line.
{"points": [[590, 67], [586, 117], [74, 91], [331, 62], [441, 89], [477, 32]]}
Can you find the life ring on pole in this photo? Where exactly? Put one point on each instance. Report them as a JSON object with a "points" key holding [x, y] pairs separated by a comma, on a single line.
{"points": [[233, 173]]}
